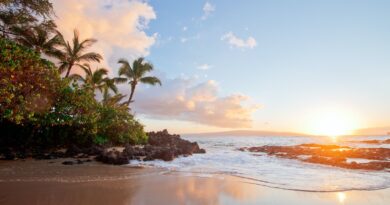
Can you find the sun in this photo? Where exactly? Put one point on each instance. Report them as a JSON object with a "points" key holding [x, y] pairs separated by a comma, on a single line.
{"points": [[332, 123], [341, 196]]}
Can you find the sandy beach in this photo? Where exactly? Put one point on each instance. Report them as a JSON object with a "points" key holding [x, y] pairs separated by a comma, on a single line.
{"points": [[50, 182]]}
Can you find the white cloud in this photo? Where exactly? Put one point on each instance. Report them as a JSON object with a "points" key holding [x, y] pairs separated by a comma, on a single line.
{"points": [[183, 40], [119, 26], [208, 8], [204, 66], [185, 99], [185, 28], [234, 41]]}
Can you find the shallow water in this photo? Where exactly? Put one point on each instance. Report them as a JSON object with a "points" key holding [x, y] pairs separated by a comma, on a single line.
{"points": [[222, 157]]}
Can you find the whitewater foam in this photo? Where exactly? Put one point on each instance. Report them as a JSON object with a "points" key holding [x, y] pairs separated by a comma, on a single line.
{"points": [[222, 157]]}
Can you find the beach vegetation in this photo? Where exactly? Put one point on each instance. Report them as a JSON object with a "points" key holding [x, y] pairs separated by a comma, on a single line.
{"points": [[39, 108]]}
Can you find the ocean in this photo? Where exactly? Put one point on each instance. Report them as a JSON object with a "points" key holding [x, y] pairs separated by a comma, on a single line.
{"points": [[224, 158]]}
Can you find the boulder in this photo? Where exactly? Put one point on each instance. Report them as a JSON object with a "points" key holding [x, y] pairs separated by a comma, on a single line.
{"points": [[165, 154], [94, 150], [200, 151], [73, 150], [180, 146], [67, 163], [113, 157]]}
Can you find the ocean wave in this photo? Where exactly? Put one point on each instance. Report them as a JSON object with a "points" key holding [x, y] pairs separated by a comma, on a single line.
{"points": [[271, 171]]}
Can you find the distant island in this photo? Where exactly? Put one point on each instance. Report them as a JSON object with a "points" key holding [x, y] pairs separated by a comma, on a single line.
{"points": [[238, 133], [374, 131], [380, 131]]}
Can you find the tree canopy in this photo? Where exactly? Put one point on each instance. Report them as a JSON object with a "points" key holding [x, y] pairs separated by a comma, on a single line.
{"points": [[41, 109]]}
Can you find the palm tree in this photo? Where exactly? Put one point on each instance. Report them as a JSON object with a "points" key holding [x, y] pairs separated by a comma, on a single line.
{"points": [[110, 84], [113, 101], [96, 80], [135, 74], [74, 54], [42, 38]]}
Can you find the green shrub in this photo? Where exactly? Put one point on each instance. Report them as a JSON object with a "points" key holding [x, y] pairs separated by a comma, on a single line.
{"points": [[39, 110], [28, 84], [119, 126]]}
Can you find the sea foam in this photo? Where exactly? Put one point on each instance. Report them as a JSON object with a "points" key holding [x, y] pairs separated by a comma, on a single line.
{"points": [[223, 157]]}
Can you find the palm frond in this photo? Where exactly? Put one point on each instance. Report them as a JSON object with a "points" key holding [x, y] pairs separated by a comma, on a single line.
{"points": [[91, 56], [86, 68], [141, 67], [151, 80], [110, 84], [125, 68], [63, 66], [120, 80], [86, 44], [97, 75]]}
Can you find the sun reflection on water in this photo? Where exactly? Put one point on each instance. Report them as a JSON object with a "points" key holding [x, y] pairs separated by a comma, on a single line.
{"points": [[334, 139]]}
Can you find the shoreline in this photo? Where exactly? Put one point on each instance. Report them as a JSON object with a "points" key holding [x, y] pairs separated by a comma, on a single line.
{"points": [[41, 182]]}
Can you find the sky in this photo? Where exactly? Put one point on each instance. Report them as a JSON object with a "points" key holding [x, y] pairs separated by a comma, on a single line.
{"points": [[299, 66]]}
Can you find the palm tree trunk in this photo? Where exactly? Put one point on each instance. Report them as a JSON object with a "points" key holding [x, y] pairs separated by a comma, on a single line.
{"points": [[68, 72], [131, 94]]}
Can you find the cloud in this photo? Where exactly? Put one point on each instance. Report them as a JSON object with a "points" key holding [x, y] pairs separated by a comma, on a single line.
{"points": [[119, 26], [208, 8], [185, 28], [185, 99], [204, 66], [234, 41]]}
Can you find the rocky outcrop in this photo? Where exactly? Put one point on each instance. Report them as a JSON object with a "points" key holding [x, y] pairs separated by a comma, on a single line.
{"points": [[113, 157], [174, 142], [333, 155], [161, 146], [75, 151]]}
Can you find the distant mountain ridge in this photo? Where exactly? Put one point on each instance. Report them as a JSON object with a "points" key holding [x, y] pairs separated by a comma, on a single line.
{"points": [[373, 131], [246, 133]]}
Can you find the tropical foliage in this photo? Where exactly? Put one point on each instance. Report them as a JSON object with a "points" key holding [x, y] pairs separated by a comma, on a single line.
{"points": [[39, 108], [23, 14], [94, 80], [73, 54], [136, 74], [43, 38], [28, 83]]}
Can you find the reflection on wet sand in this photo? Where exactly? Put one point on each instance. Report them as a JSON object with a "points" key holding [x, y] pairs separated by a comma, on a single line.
{"points": [[172, 189], [122, 186]]}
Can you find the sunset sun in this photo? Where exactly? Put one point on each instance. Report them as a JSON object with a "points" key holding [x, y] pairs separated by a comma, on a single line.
{"points": [[332, 123]]}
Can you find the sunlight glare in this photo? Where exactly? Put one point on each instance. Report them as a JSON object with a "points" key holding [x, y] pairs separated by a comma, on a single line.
{"points": [[332, 123], [341, 196]]}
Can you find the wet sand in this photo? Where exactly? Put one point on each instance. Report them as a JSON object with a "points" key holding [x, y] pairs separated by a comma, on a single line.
{"points": [[50, 182]]}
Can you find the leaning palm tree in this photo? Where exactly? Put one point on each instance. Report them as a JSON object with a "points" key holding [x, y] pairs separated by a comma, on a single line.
{"points": [[41, 38], [75, 54], [136, 74]]}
